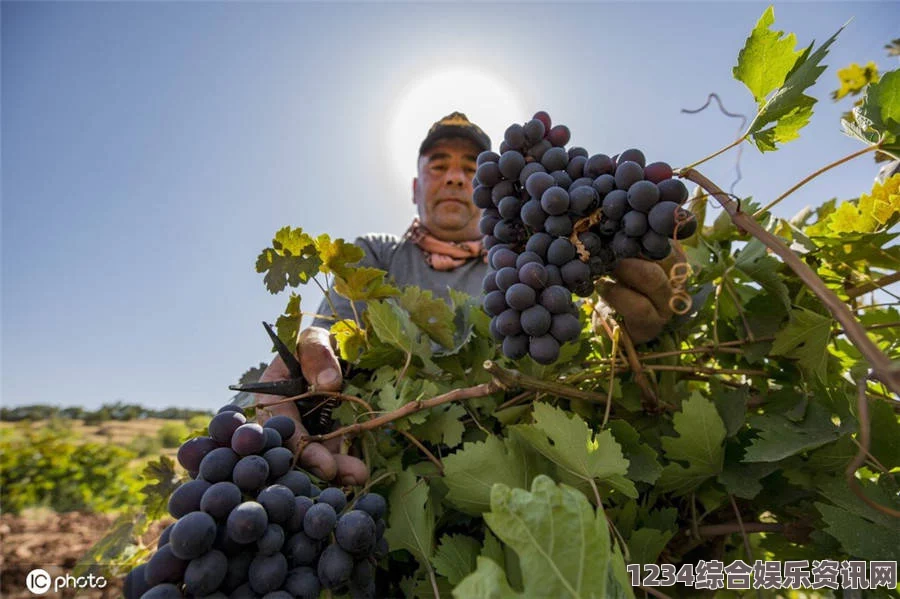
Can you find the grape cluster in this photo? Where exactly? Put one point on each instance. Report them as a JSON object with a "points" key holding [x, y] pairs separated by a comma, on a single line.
{"points": [[554, 220], [251, 525]]}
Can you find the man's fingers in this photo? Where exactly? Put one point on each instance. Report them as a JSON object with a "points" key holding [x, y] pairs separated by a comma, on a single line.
{"points": [[320, 365], [277, 370], [319, 461], [351, 470], [642, 321], [647, 278]]}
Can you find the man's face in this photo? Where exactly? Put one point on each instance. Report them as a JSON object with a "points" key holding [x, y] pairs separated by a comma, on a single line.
{"points": [[443, 190]]}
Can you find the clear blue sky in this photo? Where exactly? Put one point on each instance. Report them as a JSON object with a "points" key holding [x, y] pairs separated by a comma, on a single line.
{"points": [[150, 151]]}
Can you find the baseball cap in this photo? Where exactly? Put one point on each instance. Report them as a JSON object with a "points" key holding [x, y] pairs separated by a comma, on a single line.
{"points": [[455, 124]]}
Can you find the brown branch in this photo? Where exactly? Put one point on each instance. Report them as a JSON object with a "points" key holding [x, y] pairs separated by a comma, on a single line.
{"points": [[884, 369], [651, 402], [706, 370], [716, 530], [407, 409], [740, 521], [862, 406], [884, 281], [514, 378], [434, 460], [706, 349]]}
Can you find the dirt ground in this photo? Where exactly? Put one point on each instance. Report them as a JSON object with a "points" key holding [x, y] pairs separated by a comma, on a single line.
{"points": [[55, 543]]}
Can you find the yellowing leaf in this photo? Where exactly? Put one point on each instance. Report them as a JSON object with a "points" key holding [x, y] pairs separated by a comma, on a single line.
{"points": [[291, 260], [338, 254], [854, 78], [350, 338], [363, 283]]}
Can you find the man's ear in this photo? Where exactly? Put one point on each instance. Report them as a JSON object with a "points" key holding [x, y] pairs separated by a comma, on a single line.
{"points": [[415, 187]]}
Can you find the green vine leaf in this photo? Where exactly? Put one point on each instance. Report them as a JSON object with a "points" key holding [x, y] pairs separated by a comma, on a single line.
{"points": [[292, 260], [162, 482], [411, 521], [878, 117], [805, 339], [455, 557], [700, 443], [287, 326], [432, 315], [779, 438], [363, 283], [777, 76]]}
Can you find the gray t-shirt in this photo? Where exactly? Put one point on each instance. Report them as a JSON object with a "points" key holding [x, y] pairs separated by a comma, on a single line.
{"points": [[405, 265]]}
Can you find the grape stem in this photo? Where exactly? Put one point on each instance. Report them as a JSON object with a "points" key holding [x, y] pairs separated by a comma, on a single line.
{"points": [[855, 292], [884, 369], [431, 457], [514, 378], [681, 171], [809, 178], [650, 403]]}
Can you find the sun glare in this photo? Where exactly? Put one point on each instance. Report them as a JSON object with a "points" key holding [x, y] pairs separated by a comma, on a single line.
{"points": [[485, 98]]}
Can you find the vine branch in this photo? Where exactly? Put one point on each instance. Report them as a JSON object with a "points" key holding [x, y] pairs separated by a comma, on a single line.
{"points": [[514, 378]]}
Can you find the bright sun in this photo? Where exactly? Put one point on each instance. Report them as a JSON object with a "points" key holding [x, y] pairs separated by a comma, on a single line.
{"points": [[485, 98]]}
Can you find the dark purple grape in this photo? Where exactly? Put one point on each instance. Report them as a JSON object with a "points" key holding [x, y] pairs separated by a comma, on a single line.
{"points": [[583, 200], [560, 252], [487, 156], [501, 190], [163, 591], [247, 522], [219, 499], [481, 197], [575, 167], [303, 583], [634, 223], [302, 550], [319, 521], [515, 346], [539, 243], [673, 190], [490, 241], [192, 452], [556, 299], [355, 532], [251, 473], [590, 241], [625, 246], [555, 159], [217, 465], [628, 173], [135, 583], [581, 182], [498, 257], [267, 573], [164, 566], [598, 164], [555, 201], [510, 207], [604, 184], [298, 482], [508, 323], [526, 257], [514, 136], [661, 218], [295, 523], [335, 567], [373, 504], [285, 426], [488, 173], [536, 321], [487, 223], [553, 275], [537, 150], [187, 497], [280, 461], [544, 349], [271, 541], [495, 333], [278, 500], [273, 439], [223, 425], [238, 568], [363, 573], [538, 183], [520, 296], [529, 169], [577, 151], [534, 130], [559, 226], [643, 195], [533, 215], [685, 228], [507, 277], [575, 272], [489, 283], [534, 275], [193, 535], [248, 439], [657, 172], [565, 327], [562, 179], [230, 407], [608, 227], [334, 497], [615, 204], [164, 535], [634, 155], [494, 303], [507, 230], [511, 164], [205, 573], [559, 135], [656, 246]]}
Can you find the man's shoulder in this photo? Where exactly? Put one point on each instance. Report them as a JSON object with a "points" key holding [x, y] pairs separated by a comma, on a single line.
{"points": [[379, 240]]}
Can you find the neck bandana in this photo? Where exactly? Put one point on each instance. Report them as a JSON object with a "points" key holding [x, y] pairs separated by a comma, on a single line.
{"points": [[440, 254]]}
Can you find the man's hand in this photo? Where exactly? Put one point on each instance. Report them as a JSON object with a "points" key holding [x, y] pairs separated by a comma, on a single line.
{"points": [[641, 295], [320, 367]]}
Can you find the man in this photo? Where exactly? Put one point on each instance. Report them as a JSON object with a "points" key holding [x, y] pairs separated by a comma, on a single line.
{"points": [[442, 249]]}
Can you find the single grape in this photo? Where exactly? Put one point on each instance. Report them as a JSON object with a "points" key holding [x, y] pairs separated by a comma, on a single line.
{"points": [[604, 184], [657, 172], [511, 164], [560, 251], [508, 323], [526, 257], [501, 190], [488, 173], [643, 195], [251, 473], [591, 242], [219, 499], [655, 245], [494, 303], [534, 130], [283, 424], [597, 165], [498, 257], [537, 150], [565, 327], [562, 179], [296, 481], [555, 201], [575, 272], [634, 155], [520, 296], [205, 573], [247, 522], [355, 532], [575, 166], [271, 541], [634, 223], [278, 501], [528, 170], [302, 550], [273, 439], [673, 190], [555, 159], [187, 497], [192, 452], [487, 223], [507, 277], [536, 321], [335, 567], [625, 246], [559, 135], [580, 182], [334, 497], [514, 136], [534, 275], [559, 226], [539, 243], [193, 535], [533, 215], [544, 118], [538, 183], [510, 207], [223, 425], [489, 283], [583, 200], [556, 299], [575, 151], [267, 573], [217, 465], [248, 439], [487, 156], [319, 521], [628, 173], [280, 460], [515, 346], [481, 197], [544, 349], [661, 218], [303, 583], [615, 204]]}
